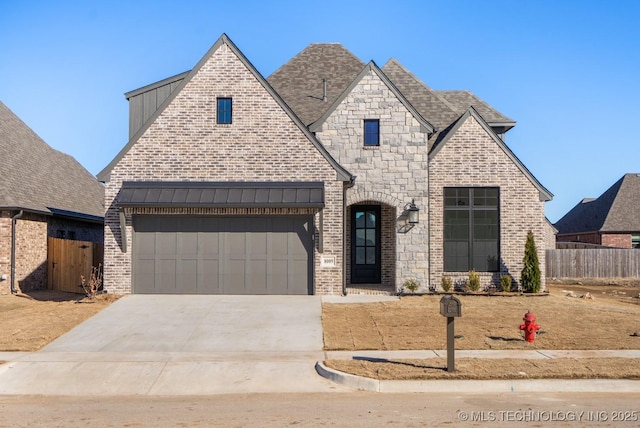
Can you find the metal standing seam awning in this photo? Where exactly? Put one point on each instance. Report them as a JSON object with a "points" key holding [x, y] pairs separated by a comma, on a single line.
{"points": [[191, 194]]}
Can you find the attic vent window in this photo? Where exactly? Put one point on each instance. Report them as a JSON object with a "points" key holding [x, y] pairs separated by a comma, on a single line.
{"points": [[224, 111], [371, 132]]}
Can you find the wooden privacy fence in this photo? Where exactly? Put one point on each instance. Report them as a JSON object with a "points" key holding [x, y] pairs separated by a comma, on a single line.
{"points": [[593, 263], [68, 260]]}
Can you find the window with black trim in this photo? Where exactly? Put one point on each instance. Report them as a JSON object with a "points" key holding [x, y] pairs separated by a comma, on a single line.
{"points": [[224, 112], [371, 132], [471, 229]]}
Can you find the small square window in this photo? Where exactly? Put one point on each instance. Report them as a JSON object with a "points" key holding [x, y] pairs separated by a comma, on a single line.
{"points": [[371, 132], [224, 110]]}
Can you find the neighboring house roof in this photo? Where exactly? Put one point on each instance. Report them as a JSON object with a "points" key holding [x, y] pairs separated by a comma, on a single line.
{"points": [[616, 210], [342, 173], [300, 80], [545, 195], [37, 178]]}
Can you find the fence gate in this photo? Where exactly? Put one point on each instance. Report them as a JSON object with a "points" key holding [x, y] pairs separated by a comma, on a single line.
{"points": [[68, 260]]}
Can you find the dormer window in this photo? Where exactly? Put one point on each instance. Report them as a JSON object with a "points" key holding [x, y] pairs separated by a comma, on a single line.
{"points": [[371, 132], [224, 111]]}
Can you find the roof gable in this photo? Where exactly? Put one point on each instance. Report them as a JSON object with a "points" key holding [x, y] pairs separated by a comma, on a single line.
{"points": [[616, 210], [372, 67], [341, 172], [40, 179], [545, 195], [321, 70]]}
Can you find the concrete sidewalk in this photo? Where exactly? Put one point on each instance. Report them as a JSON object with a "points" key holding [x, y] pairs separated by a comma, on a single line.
{"points": [[207, 373]]}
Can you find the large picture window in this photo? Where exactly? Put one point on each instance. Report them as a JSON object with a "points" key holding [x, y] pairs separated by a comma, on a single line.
{"points": [[471, 229]]}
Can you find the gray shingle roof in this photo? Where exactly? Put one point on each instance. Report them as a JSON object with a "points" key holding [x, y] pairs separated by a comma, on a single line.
{"points": [[38, 178], [616, 210], [429, 104], [462, 100], [299, 81]]}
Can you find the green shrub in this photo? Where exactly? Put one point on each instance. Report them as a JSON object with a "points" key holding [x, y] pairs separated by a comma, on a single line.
{"points": [[506, 282], [474, 281], [530, 277], [447, 283], [412, 285]]}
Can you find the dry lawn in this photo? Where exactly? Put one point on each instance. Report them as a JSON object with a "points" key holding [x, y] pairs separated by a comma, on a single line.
{"points": [[31, 321], [611, 320], [481, 369]]}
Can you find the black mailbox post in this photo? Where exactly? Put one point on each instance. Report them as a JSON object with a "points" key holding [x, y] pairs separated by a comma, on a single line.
{"points": [[451, 308]]}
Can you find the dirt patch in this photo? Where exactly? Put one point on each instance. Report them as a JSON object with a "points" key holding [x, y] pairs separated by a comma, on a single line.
{"points": [[569, 319], [30, 321], [608, 321], [483, 369]]}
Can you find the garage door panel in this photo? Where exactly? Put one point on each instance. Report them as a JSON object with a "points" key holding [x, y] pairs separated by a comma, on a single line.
{"points": [[256, 280], [165, 275], [187, 275], [146, 270], [235, 244], [222, 255], [234, 277], [188, 243], [166, 243]]}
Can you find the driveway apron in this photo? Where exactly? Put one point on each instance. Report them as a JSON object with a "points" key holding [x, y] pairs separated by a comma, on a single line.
{"points": [[181, 345]]}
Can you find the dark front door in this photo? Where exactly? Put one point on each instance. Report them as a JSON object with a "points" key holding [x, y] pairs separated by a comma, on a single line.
{"points": [[365, 244]]}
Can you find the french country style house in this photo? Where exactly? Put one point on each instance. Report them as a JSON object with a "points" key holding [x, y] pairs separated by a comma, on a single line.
{"points": [[330, 176]]}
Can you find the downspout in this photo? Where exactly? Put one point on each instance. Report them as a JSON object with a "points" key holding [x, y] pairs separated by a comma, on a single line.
{"points": [[347, 186], [14, 220]]}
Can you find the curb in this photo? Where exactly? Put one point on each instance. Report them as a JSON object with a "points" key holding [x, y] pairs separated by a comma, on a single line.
{"points": [[478, 386]]}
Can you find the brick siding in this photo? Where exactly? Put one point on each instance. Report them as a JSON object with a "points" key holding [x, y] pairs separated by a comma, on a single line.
{"points": [[618, 240], [262, 144], [31, 252], [471, 158]]}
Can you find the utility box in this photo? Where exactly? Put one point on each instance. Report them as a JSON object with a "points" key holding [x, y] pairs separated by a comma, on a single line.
{"points": [[450, 306]]}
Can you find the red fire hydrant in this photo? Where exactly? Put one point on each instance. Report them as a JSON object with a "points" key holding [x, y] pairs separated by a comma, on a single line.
{"points": [[529, 327]]}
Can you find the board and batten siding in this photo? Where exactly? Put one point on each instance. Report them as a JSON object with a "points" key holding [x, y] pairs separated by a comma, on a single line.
{"points": [[144, 102]]}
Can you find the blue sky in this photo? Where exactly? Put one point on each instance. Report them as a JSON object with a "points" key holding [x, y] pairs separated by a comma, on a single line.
{"points": [[567, 71]]}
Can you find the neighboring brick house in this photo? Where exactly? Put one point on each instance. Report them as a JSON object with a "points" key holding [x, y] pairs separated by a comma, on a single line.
{"points": [[611, 220], [43, 193], [307, 182]]}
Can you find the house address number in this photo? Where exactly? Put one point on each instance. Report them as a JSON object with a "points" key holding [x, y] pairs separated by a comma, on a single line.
{"points": [[328, 261]]}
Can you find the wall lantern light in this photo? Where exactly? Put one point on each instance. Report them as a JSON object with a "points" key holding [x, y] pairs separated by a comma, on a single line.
{"points": [[413, 212]]}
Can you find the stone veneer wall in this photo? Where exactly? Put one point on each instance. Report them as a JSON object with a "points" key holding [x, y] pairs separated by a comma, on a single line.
{"points": [[471, 158], [391, 174], [262, 144]]}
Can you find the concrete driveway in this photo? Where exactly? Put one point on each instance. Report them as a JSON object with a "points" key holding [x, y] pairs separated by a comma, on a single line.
{"points": [[181, 345]]}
